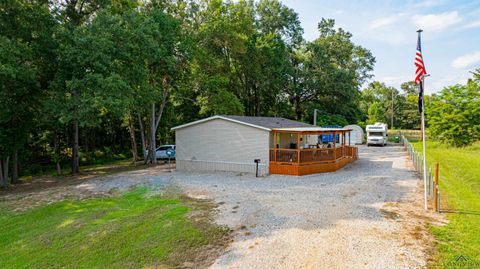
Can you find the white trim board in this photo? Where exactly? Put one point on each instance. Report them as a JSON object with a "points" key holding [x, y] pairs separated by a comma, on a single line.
{"points": [[224, 162], [222, 118]]}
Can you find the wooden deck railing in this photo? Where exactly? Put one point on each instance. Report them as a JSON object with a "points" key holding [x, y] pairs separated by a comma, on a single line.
{"points": [[313, 155], [316, 155], [351, 152], [284, 156]]}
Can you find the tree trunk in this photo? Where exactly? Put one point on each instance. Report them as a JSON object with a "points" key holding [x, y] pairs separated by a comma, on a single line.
{"points": [[142, 134], [56, 151], [75, 159], [4, 171], [15, 167], [155, 120], [257, 100], [298, 110], [58, 168], [131, 130], [3, 182], [151, 152], [85, 140]]}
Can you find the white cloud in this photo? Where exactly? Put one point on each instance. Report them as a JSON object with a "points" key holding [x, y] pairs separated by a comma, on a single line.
{"points": [[436, 22], [466, 60], [394, 29], [429, 3], [473, 24], [382, 22], [435, 84], [395, 80]]}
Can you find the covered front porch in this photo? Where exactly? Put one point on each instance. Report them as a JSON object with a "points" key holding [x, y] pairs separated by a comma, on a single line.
{"points": [[310, 150]]}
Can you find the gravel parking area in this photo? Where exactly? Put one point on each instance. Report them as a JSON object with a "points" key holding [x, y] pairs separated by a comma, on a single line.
{"points": [[366, 215], [363, 216]]}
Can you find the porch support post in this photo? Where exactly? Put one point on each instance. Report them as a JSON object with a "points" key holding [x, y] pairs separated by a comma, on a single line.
{"points": [[334, 145], [275, 145], [298, 147], [334, 139]]}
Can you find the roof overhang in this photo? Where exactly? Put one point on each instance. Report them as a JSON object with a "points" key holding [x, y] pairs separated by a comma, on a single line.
{"points": [[311, 130], [222, 118]]}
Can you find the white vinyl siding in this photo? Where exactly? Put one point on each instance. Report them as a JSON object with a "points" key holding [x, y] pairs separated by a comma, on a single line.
{"points": [[221, 145]]}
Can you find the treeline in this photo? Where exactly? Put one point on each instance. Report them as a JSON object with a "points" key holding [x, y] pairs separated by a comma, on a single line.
{"points": [[399, 109], [452, 115], [88, 80]]}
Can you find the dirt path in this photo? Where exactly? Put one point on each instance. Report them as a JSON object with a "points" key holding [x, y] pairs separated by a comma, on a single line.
{"points": [[367, 215]]}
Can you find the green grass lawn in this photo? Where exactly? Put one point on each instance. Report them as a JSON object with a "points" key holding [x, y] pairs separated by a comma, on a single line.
{"points": [[459, 176], [132, 230]]}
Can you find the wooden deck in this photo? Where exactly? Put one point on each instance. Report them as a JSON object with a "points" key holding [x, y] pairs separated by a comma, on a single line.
{"points": [[310, 161], [294, 154]]}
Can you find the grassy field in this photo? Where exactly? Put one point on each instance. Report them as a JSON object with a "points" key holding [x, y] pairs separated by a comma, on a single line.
{"points": [[133, 230], [459, 176]]}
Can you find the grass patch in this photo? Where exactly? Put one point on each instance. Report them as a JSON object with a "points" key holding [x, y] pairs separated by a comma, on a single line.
{"points": [[459, 176], [133, 230]]}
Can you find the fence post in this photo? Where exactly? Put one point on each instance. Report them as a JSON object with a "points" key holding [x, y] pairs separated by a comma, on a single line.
{"points": [[419, 165], [435, 186], [429, 181]]}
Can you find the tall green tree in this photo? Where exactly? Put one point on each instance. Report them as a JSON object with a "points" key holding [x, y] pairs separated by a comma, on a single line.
{"points": [[376, 113], [66, 88], [244, 50], [396, 108], [17, 76], [409, 116], [334, 68], [27, 61]]}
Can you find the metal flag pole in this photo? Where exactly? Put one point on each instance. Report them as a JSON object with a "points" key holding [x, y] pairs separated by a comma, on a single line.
{"points": [[422, 92], [424, 145]]}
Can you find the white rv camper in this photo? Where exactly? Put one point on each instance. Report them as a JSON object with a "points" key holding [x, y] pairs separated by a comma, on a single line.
{"points": [[377, 134]]}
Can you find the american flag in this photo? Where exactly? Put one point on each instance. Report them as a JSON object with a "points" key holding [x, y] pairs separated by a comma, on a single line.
{"points": [[419, 63], [419, 73]]}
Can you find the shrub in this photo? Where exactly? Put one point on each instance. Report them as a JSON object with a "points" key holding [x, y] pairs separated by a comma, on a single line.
{"points": [[454, 115]]}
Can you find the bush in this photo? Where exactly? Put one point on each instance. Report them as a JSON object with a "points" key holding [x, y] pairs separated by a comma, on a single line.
{"points": [[454, 115]]}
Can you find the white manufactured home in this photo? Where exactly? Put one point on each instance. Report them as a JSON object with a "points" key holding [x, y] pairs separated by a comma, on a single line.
{"points": [[227, 143], [233, 143]]}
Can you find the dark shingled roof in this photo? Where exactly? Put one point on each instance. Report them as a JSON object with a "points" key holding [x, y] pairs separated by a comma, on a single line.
{"points": [[269, 122]]}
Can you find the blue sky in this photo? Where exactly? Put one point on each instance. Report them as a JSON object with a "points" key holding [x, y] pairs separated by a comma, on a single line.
{"points": [[451, 38]]}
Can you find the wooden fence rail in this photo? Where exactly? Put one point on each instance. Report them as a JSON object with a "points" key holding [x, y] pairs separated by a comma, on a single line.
{"points": [[313, 155]]}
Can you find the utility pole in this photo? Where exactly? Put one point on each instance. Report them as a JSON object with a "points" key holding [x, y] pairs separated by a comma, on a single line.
{"points": [[315, 116], [391, 126]]}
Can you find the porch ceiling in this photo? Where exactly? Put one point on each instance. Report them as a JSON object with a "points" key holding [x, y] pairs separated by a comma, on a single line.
{"points": [[311, 130]]}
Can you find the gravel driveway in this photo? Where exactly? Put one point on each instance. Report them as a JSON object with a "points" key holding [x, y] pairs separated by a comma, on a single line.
{"points": [[367, 215]]}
